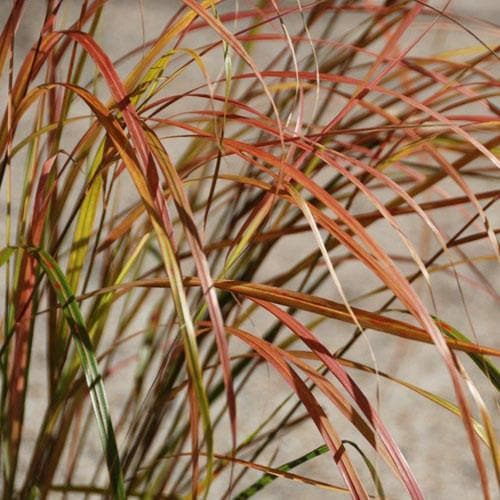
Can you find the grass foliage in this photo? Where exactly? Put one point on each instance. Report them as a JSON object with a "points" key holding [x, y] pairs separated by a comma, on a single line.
{"points": [[223, 244]]}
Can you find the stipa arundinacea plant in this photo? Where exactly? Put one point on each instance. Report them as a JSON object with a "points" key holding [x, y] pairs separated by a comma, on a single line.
{"points": [[249, 245]]}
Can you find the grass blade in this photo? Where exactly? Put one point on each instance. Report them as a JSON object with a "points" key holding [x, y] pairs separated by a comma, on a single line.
{"points": [[89, 366]]}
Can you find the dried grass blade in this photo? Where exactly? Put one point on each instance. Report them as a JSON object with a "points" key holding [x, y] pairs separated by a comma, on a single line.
{"points": [[273, 356], [354, 391]]}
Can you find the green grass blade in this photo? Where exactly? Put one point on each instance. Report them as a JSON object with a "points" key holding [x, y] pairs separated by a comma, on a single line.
{"points": [[5, 254], [267, 478], [88, 361], [484, 364], [371, 468]]}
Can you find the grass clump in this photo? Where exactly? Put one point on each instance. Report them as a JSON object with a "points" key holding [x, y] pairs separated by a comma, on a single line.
{"points": [[245, 238]]}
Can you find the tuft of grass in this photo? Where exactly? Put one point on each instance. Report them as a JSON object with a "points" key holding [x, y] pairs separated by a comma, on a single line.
{"points": [[248, 233]]}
